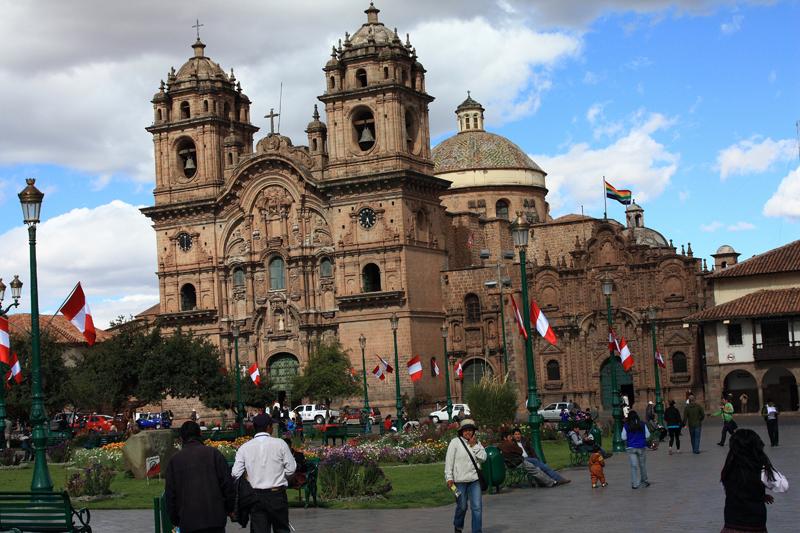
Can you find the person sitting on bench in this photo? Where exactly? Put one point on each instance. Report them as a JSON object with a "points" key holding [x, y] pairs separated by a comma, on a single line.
{"points": [[530, 456], [512, 455]]}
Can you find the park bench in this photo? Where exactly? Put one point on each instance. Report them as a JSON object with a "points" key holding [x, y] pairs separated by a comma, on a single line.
{"points": [[516, 476], [220, 434], [44, 512], [333, 432], [577, 456]]}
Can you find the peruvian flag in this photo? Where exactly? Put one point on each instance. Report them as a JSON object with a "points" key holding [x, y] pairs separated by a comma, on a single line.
{"points": [[518, 318], [434, 367], [379, 373], [77, 311], [255, 375], [16, 370], [387, 368], [660, 360], [5, 342], [625, 354], [415, 368], [459, 370], [542, 325]]}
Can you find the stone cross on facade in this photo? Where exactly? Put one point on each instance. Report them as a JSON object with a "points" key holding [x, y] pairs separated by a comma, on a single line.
{"points": [[197, 26], [271, 116]]}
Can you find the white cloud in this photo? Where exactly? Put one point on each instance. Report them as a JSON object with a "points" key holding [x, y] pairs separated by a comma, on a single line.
{"points": [[711, 227], [596, 110], [741, 226], [635, 161], [785, 202], [110, 249], [753, 155], [732, 26]]}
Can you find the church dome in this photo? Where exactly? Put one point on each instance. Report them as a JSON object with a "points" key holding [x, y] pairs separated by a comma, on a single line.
{"points": [[725, 249], [480, 150], [373, 32], [646, 237], [200, 67]]}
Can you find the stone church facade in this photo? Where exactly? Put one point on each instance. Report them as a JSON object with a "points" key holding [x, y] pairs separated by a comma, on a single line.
{"points": [[298, 244]]}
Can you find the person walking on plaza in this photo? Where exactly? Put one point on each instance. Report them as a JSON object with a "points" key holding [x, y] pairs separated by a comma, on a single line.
{"points": [[462, 472], [530, 456], [743, 398], [672, 417], [650, 412], [198, 490], [770, 413], [693, 416], [268, 463], [728, 423], [746, 475], [635, 435]]}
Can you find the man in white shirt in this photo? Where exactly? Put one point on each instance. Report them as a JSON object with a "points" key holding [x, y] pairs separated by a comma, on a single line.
{"points": [[268, 462]]}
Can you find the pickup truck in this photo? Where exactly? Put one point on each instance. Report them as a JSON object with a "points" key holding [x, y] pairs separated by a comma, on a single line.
{"points": [[460, 410], [314, 412]]}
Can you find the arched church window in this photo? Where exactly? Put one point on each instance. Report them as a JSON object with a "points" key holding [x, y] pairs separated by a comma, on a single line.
{"points": [[188, 297], [185, 110], [205, 106], [386, 73], [467, 122], [371, 278], [227, 110], [501, 209], [411, 129], [361, 77], [472, 307], [238, 278], [553, 371], [314, 144], [276, 274], [333, 82], [679, 363], [404, 75], [158, 114], [364, 129], [230, 158], [187, 157], [325, 268]]}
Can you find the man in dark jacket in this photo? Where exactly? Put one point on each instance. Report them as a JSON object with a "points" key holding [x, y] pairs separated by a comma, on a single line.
{"points": [[530, 456], [199, 488], [512, 456]]}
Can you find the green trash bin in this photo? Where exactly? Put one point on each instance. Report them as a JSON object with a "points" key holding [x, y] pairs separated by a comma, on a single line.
{"points": [[494, 468], [597, 434]]}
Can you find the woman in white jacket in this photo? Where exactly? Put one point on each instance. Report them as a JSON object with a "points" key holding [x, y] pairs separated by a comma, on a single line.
{"points": [[460, 472]]}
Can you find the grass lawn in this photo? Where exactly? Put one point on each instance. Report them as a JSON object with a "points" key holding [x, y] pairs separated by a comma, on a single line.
{"points": [[412, 485]]}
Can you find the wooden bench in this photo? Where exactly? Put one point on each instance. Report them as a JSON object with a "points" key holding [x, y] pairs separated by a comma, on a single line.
{"points": [[44, 512], [333, 432]]}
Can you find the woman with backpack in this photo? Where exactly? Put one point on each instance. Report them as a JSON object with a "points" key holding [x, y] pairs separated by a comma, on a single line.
{"points": [[635, 435]]}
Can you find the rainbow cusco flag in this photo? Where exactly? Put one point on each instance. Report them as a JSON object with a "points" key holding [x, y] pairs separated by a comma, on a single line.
{"points": [[623, 196]]}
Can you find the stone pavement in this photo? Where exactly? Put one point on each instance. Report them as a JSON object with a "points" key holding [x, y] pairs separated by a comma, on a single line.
{"points": [[685, 496]]}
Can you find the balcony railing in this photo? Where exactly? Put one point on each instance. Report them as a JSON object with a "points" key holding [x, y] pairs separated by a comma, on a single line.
{"points": [[774, 352]]}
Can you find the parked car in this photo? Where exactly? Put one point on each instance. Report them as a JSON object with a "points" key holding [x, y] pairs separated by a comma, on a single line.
{"points": [[353, 415], [460, 411], [64, 421], [101, 423], [552, 412], [152, 421], [314, 412]]}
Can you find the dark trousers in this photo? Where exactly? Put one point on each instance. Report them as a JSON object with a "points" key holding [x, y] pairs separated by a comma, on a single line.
{"points": [[772, 430], [675, 436], [270, 512], [208, 530], [727, 427]]}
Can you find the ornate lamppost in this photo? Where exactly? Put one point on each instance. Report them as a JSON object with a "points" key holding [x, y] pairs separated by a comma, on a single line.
{"points": [[362, 341], [616, 404], [31, 200], [447, 375], [16, 290], [398, 400], [520, 231], [500, 282], [239, 405], [652, 312]]}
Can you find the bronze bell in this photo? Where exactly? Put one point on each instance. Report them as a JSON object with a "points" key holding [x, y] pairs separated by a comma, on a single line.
{"points": [[366, 136], [189, 165]]}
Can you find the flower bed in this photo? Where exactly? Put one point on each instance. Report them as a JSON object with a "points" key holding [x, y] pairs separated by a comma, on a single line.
{"points": [[105, 456]]}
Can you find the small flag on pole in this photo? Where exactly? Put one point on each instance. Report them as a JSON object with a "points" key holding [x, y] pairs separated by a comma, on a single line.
{"points": [[518, 318], [660, 360], [255, 375], [76, 309], [415, 368], [434, 367], [459, 370], [625, 354], [16, 370], [386, 366], [378, 372], [542, 325], [623, 196]]}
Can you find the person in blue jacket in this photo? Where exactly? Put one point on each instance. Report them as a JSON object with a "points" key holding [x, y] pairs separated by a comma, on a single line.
{"points": [[635, 435]]}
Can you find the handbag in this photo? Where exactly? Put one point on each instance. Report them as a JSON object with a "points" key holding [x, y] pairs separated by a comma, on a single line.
{"points": [[481, 479]]}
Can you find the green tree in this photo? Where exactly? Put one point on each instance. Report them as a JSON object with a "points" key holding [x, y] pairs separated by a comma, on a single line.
{"points": [[223, 395], [326, 376], [492, 401]]}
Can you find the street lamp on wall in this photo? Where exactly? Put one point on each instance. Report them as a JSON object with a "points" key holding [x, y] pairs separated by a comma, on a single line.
{"points": [[445, 330], [31, 200], [394, 321]]}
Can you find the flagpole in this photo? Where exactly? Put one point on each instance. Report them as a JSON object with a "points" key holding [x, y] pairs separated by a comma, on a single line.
{"points": [[53, 316], [605, 200]]}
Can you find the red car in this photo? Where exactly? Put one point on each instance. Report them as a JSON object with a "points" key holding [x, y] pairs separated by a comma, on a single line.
{"points": [[99, 423]]}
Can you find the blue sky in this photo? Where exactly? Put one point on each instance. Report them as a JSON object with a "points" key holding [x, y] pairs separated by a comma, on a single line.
{"points": [[691, 104]]}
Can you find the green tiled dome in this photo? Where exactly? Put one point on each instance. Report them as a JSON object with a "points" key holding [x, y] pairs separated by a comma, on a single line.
{"points": [[470, 150]]}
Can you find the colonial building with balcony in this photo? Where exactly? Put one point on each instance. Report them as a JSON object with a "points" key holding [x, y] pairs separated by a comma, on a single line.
{"points": [[752, 333]]}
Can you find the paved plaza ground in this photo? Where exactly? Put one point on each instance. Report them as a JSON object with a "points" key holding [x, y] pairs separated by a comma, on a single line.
{"points": [[685, 496]]}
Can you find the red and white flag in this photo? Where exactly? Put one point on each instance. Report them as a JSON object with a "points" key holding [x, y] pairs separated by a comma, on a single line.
{"points": [[16, 370], [625, 354], [77, 311], [660, 360], [353, 374], [459, 370], [387, 368], [434, 367], [5, 341], [255, 375], [612, 341], [379, 373], [542, 325], [415, 368], [518, 318]]}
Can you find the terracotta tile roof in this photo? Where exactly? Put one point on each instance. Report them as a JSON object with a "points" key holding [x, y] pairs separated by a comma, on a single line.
{"points": [[62, 328], [783, 259], [764, 303], [150, 311]]}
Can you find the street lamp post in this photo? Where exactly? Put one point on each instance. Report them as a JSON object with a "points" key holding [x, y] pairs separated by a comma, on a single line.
{"points": [[651, 314], [616, 407], [520, 230], [16, 290], [447, 375], [398, 400], [500, 282], [31, 200], [239, 406], [362, 341]]}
